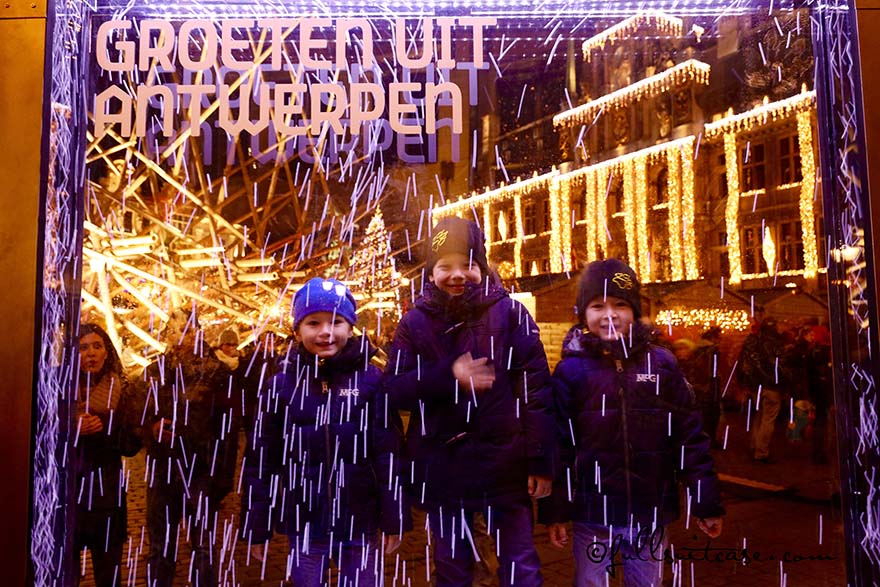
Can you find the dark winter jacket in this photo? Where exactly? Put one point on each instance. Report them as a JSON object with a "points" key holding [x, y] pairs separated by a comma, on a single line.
{"points": [[764, 360], [100, 487], [472, 451], [325, 451], [629, 412], [193, 392]]}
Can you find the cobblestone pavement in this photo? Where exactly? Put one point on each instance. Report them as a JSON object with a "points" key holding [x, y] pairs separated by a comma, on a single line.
{"points": [[780, 516]]}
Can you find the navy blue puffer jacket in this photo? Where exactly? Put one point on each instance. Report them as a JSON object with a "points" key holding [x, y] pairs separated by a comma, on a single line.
{"points": [[629, 412], [325, 451], [469, 451]]}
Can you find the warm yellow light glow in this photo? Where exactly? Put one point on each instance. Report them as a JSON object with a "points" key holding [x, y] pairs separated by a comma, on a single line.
{"points": [[768, 251], [731, 213], [560, 218], [144, 336], [502, 225], [640, 181], [591, 216], [204, 262], [134, 241], [761, 115], [689, 232], [673, 189], [705, 318], [519, 232], [629, 218], [200, 251], [600, 195], [487, 228], [655, 85], [625, 29], [256, 262], [496, 196], [807, 195]]}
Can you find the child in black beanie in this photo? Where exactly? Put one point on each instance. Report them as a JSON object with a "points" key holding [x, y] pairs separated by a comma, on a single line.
{"points": [[636, 432], [468, 365]]}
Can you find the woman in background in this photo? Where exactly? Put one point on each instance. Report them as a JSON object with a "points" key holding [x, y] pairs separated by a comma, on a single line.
{"points": [[104, 434]]}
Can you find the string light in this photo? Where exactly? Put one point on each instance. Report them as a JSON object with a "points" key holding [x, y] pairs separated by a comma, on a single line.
{"points": [[657, 84], [560, 236], [808, 183], [517, 244], [640, 173], [768, 251], [705, 318], [496, 196], [487, 228], [762, 115], [629, 218], [673, 189], [624, 30], [731, 212], [602, 178], [591, 215], [689, 231]]}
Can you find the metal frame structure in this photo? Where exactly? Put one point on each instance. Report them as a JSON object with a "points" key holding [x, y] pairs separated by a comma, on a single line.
{"points": [[846, 203]]}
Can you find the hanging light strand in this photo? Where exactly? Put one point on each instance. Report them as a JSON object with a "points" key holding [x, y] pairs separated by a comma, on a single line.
{"points": [[807, 195], [625, 29], [690, 71]]}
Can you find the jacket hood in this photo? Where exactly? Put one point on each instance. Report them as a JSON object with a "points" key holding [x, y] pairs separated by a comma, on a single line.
{"points": [[579, 342], [477, 297]]}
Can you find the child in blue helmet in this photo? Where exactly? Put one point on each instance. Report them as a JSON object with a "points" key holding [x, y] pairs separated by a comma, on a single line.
{"points": [[324, 468]]}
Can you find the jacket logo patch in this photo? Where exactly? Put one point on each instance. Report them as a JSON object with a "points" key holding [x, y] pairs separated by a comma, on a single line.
{"points": [[438, 240], [354, 392], [642, 377], [623, 280]]}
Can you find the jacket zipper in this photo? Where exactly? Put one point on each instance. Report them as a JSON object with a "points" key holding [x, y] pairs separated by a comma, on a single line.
{"points": [[619, 366], [325, 389]]}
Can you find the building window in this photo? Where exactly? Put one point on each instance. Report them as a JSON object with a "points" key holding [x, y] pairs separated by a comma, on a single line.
{"points": [[616, 197], [791, 246], [789, 160], [511, 223], [579, 205], [751, 167], [661, 188], [752, 254], [721, 177], [529, 219], [545, 265], [545, 214]]}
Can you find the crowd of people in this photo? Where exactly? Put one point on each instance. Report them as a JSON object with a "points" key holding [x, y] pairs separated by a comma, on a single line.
{"points": [[460, 420]]}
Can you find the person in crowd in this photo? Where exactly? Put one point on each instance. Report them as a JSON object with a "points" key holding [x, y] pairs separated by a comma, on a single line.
{"points": [[631, 433], [190, 415], [702, 366], [764, 371], [812, 360], [105, 432], [325, 467], [468, 365]]}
